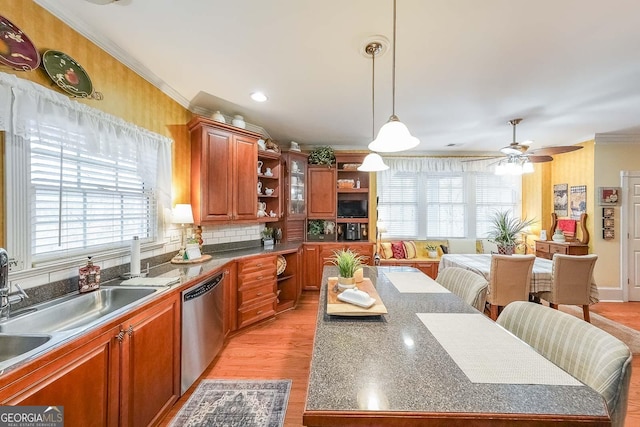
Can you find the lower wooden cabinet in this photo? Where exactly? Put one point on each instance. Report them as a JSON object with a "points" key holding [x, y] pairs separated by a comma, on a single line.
{"points": [[256, 296], [129, 375], [428, 267], [317, 255], [546, 249]]}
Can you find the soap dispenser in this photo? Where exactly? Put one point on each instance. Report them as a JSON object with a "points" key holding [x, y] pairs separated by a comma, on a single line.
{"points": [[89, 277]]}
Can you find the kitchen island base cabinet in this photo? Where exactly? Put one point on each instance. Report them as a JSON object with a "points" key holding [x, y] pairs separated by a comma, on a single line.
{"points": [[128, 376]]}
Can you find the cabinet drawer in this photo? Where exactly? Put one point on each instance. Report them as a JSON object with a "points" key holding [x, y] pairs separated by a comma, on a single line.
{"points": [[257, 264], [542, 247], [254, 313], [256, 278], [554, 249], [260, 292]]}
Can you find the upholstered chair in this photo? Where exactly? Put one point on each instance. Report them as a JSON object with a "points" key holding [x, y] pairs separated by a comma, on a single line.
{"points": [[509, 280], [571, 281], [590, 354], [469, 286]]}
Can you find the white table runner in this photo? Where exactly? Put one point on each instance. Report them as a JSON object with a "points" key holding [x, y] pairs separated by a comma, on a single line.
{"points": [[414, 282], [487, 353]]}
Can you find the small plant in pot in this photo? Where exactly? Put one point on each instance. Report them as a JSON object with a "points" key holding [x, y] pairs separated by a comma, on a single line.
{"points": [[505, 231], [315, 229], [347, 262], [267, 237], [322, 156], [432, 251]]}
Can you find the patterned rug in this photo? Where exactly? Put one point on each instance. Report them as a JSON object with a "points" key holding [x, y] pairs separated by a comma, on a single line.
{"points": [[235, 403]]}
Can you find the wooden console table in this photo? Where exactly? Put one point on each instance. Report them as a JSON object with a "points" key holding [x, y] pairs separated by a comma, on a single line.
{"points": [[546, 248]]}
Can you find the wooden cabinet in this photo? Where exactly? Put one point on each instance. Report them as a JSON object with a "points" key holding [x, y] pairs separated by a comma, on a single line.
{"points": [[352, 198], [229, 320], [289, 281], [269, 185], [546, 249], [430, 268], [256, 291], [223, 172], [295, 196], [322, 192], [128, 375], [317, 255]]}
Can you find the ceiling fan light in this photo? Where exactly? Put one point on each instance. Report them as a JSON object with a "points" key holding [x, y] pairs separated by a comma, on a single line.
{"points": [[373, 163], [393, 137], [527, 167]]}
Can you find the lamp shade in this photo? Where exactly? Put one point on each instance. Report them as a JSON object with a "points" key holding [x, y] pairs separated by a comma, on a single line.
{"points": [[372, 163], [182, 214], [393, 137]]}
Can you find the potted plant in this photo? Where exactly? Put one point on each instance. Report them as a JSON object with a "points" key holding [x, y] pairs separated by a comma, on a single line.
{"points": [[505, 231], [322, 156], [347, 262], [432, 251], [315, 229], [267, 237]]}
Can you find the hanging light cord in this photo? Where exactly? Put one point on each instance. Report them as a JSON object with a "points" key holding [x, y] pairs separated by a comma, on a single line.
{"points": [[393, 70], [373, 96]]}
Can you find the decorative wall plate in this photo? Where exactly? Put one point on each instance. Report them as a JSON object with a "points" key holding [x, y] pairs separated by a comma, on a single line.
{"points": [[67, 73], [16, 50]]}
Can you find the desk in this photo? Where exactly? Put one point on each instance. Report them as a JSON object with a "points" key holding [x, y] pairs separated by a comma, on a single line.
{"points": [[391, 370], [481, 264]]}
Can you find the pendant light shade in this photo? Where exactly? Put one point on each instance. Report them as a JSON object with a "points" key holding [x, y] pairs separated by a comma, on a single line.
{"points": [[372, 163], [394, 136]]}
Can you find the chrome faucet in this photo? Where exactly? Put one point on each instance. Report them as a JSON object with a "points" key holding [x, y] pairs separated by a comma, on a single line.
{"points": [[6, 297]]}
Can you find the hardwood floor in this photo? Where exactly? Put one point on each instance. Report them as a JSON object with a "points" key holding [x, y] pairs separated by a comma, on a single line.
{"points": [[281, 349]]}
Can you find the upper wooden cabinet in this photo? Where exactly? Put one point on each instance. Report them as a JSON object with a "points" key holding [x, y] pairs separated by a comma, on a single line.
{"points": [[321, 192], [223, 172]]}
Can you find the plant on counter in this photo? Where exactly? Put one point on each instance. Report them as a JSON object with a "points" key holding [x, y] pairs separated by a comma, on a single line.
{"points": [[432, 250], [505, 231], [316, 227], [322, 156], [267, 236], [347, 262]]}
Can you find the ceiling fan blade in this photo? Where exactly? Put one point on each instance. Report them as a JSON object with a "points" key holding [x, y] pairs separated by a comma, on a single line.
{"points": [[539, 159], [481, 158], [550, 151]]}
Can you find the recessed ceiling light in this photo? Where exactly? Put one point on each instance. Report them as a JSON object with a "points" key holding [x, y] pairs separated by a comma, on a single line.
{"points": [[259, 96]]}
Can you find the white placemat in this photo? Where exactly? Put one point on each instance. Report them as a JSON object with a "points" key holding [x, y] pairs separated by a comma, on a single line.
{"points": [[415, 283], [150, 281], [487, 353]]}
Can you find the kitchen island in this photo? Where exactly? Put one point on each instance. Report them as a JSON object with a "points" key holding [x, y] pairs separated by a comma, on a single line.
{"points": [[392, 370]]}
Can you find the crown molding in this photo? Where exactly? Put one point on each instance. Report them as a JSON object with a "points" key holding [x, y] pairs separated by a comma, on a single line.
{"points": [[617, 138], [114, 50]]}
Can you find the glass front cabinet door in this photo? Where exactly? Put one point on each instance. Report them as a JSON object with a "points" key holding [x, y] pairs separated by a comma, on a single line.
{"points": [[297, 185]]}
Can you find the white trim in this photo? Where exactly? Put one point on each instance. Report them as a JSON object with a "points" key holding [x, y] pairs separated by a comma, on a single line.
{"points": [[625, 223], [617, 138]]}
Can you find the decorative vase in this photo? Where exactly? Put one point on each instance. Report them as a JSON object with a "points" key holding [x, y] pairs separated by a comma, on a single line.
{"points": [[218, 117], [506, 249], [558, 236], [238, 121], [346, 282], [432, 254]]}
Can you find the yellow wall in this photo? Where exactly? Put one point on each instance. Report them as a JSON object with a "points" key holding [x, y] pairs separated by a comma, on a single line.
{"points": [[126, 94]]}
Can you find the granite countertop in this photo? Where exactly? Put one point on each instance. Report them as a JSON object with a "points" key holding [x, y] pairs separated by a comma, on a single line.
{"points": [[392, 363]]}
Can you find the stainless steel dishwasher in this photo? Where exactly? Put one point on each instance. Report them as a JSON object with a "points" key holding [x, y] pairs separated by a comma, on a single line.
{"points": [[202, 333]]}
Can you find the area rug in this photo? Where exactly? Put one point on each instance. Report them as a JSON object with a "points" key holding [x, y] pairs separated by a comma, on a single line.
{"points": [[627, 335], [236, 403]]}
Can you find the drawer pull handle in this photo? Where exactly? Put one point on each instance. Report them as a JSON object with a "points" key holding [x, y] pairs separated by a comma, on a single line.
{"points": [[120, 336], [259, 277], [259, 293], [259, 312], [259, 265]]}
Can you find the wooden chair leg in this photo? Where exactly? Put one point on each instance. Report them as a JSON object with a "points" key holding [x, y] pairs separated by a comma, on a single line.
{"points": [[494, 311], [554, 306], [585, 312]]}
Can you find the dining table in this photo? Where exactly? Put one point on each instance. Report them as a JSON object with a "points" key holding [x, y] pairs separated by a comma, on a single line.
{"points": [[541, 275], [432, 359]]}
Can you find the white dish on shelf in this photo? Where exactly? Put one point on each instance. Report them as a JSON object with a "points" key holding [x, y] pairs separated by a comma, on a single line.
{"points": [[357, 297]]}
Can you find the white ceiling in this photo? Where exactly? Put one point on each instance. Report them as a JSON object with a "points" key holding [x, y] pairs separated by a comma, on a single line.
{"points": [[570, 68]]}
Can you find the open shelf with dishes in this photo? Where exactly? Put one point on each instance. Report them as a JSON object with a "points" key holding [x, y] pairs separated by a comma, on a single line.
{"points": [[287, 278], [269, 171]]}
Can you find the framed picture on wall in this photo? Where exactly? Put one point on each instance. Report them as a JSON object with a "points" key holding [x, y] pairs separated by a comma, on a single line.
{"points": [[560, 199], [608, 195], [578, 201], [607, 212]]}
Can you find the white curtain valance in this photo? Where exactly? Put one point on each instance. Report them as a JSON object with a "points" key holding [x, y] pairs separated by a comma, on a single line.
{"points": [[438, 164], [27, 108]]}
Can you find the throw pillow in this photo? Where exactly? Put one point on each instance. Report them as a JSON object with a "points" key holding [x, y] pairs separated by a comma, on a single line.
{"points": [[445, 249], [398, 250], [385, 250], [410, 250]]}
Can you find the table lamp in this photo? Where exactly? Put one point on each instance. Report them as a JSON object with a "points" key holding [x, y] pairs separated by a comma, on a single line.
{"points": [[182, 214]]}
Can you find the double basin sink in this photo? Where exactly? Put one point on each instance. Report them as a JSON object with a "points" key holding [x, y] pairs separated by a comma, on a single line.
{"points": [[37, 328]]}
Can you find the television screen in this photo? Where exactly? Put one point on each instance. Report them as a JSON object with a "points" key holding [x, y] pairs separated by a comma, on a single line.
{"points": [[352, 209]]}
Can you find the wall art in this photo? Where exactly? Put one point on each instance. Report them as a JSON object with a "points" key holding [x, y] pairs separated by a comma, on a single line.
{"points": [[608, 195], [578, 201], [560, 199]]}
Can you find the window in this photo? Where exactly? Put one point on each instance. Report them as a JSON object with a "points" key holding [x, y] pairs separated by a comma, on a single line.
{"points": [[421, 198], [78, 181]]}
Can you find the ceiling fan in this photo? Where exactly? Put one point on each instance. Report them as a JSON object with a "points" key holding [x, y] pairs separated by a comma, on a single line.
{"points": [[520, 152]]}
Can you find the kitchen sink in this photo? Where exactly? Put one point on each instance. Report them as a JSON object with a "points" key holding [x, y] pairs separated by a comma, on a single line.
{"points": [[16, 345], [74, 311]]}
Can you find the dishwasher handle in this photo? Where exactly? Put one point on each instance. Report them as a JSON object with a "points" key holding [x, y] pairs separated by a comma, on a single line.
{"points": [[203, 288]]}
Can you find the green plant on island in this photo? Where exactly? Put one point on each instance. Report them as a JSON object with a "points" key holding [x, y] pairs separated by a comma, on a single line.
{"points": [[322, 156], [347, 262]]}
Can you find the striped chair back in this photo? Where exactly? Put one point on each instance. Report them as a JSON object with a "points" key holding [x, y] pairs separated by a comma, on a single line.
{"points": [[469, 286]]}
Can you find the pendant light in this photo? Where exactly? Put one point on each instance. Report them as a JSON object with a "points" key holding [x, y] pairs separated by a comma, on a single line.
{"points": [[373, 162], [394, 135]]}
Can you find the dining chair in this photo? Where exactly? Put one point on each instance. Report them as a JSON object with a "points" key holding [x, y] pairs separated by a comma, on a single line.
{"points": [[509, 280], [593, 356], [571, 277], [469, 286]]}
